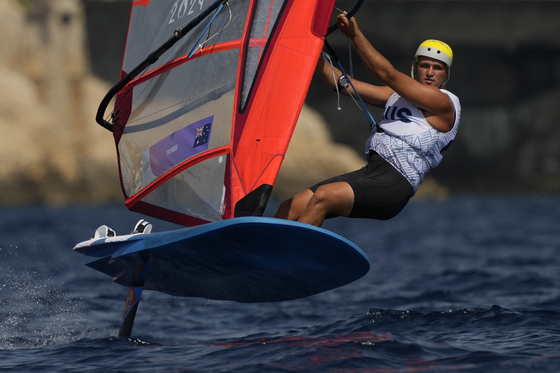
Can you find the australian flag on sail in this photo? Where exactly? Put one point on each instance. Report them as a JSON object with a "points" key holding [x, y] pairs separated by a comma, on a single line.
{"points": [[202, 134], [175, 149]]}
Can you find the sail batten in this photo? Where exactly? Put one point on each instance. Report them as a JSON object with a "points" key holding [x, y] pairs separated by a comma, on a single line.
{"points": [[210, 121]]}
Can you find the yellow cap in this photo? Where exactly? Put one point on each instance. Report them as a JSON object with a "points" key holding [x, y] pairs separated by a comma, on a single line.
{"points": [[437, 50]]}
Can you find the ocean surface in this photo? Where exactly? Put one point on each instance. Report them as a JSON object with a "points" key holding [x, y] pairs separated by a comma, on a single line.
{"points": [[468, 284]]}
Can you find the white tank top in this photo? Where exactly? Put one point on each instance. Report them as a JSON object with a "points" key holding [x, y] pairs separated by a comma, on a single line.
{"points": [[408, 142]]}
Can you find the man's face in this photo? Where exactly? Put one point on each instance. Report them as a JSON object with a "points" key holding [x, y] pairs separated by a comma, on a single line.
{"points": [[430, 71]]}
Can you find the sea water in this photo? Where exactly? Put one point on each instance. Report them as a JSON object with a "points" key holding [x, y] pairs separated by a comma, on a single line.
{"points": [[467, 284]]}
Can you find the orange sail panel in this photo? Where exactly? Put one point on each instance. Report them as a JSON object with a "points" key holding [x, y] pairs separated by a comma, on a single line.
{"points": [[208, 124]]}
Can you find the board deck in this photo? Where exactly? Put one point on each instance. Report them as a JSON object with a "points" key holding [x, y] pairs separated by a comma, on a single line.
{"points": [[249, 259]]}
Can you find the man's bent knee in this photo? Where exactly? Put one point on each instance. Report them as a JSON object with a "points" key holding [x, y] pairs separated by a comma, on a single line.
{"points": [[333, 199], [284, 209]]}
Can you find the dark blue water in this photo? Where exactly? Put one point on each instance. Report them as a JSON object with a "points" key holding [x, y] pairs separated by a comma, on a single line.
{"points": [[470, 284]]}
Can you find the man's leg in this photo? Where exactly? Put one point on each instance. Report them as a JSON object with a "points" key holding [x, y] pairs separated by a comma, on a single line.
{"points": [[292, 208], [330, 199]]}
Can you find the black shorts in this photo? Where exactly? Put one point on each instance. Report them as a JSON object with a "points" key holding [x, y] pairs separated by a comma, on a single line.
{"points": [[380, 191]]}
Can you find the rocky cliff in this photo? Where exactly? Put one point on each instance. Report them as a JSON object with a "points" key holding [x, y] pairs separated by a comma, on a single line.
{"points": [[50, 148]]}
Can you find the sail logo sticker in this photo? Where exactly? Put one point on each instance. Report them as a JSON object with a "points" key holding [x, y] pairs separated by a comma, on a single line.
{"points": [[202, 134], [172, 149], [175, 149]]}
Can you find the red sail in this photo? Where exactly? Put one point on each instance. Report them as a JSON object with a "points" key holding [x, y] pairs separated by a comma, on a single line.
{"points": [[210, 122]]}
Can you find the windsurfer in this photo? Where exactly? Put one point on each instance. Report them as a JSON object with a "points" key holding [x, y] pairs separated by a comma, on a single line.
{"points": [[420, 121]]}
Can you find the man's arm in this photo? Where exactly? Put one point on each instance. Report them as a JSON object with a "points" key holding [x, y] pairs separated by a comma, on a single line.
{"points": [[437, 106], [370, 94]]}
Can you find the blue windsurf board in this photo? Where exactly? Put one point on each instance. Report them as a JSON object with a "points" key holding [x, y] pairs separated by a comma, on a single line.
{"points": [[248, 259]]}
